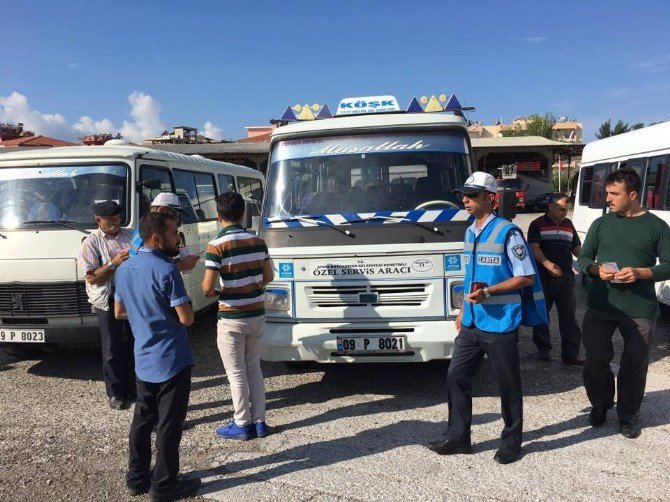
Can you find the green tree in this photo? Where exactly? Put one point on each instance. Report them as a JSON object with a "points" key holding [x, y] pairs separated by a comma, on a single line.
{"points": [[536, 125]]}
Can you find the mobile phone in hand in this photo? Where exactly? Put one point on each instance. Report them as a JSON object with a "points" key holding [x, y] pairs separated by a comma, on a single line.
{"points": [[475, 285]]}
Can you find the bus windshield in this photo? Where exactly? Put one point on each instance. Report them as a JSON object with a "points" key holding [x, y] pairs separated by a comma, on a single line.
{"points": [[366, 173], [30, 195]]}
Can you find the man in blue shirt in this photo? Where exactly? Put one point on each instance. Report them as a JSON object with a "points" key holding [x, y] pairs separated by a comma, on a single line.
{"points": [[151, 293]]}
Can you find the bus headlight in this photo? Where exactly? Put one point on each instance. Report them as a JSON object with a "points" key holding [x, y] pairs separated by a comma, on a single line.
{"points": [[277, 299], [456, 294]]}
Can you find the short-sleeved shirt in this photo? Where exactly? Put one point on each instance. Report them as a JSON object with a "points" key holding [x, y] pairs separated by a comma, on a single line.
{"points": [[150, 286], [517, 250], [90, 257], [556, 240], [238, 256]]}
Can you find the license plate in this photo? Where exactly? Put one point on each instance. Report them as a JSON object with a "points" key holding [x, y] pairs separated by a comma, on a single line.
{"points": [[22, 335], [347, 344]]}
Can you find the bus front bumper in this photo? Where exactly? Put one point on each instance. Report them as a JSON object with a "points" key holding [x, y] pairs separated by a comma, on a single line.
{"points": [[422, 341]]}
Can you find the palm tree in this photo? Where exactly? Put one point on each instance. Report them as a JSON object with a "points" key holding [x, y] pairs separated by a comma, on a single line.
{"points": [[620, 127]]}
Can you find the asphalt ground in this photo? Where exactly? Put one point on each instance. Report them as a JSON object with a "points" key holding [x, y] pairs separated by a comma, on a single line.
{"points": [[344, 432]]}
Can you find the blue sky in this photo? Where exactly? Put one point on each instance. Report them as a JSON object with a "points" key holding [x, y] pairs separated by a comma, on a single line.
{"points": [[69, 68]]}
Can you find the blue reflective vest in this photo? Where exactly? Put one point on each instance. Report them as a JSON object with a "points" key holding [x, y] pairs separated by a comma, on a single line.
{"points": [[487, 261]]}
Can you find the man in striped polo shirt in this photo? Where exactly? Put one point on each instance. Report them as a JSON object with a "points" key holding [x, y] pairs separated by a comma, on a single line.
{"points": [[554, 241], [240, 261]]}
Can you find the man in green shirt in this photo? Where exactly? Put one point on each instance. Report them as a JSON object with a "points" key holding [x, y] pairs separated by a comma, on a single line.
{"points": [[620, 254]]}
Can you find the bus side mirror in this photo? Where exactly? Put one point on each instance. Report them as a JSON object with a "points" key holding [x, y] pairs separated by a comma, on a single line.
{"points": [[507, 204]]}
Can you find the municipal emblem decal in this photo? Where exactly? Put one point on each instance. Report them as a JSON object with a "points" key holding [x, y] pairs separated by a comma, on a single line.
{"points": [[519, 251]]}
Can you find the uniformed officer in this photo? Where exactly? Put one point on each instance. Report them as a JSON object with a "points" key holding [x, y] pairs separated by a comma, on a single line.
{"points": [[503, 293]]}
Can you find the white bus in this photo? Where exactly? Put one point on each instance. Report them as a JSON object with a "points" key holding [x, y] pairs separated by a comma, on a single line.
{"points": [[366, 236], [46, 199], [647, 151]]}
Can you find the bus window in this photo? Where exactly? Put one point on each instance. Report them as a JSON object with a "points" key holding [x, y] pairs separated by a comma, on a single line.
{"points": [[653, 192], [156, 174], [185, 188], [226, 183], [600, 172], [250, 188], [587, 182], [638, 165], [206, 196]]}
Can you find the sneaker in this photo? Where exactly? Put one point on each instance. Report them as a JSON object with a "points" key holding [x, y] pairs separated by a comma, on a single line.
{"points": [[598, 416], [262, 429], [181, 489], [544, 354], [630, 429], [234, 431], [117, 403]]}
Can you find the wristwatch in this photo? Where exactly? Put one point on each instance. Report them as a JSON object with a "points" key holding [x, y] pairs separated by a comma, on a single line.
{"points": [[111, 265], [487, 293]]}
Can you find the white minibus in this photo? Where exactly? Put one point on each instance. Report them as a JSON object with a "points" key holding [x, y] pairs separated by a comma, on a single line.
{"points": [[46, 199], [366, 234], [645, 150]]}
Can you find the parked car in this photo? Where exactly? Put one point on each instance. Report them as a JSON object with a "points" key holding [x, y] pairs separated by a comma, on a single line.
{"points": [[540, 203], [512, 184]]}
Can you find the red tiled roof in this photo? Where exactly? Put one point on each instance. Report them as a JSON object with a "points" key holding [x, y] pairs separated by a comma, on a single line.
{"points": [[35, 141], [255, 139]]}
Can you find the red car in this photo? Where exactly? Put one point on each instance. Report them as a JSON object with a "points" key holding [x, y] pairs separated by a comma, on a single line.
{"points": [[516, 185]]}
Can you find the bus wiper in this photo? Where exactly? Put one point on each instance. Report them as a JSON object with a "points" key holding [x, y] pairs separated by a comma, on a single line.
{"points": [[310, 219], [63, 223], [400, 219]]}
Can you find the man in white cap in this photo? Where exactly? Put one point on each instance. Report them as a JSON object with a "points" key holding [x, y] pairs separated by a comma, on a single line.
{"points": [[499, 271], [167, 203]]}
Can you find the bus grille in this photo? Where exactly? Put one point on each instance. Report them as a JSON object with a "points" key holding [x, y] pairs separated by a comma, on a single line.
{"points": [[53, 299], [397, 295]]}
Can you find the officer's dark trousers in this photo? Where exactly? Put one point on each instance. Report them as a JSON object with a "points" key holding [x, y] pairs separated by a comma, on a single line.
{"points": [[469, 349], [164, 404], [637, 334], [560, 291], [118, 360]]}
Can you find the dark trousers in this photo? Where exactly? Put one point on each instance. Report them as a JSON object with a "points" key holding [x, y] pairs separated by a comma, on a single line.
{"points": [[164, 405], [469, 349], [118, 361], [637, 334], [560, 291]]}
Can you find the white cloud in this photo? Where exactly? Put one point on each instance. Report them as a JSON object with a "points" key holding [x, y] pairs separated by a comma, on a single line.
{"points": [[212, 131], [73, 65], [86, 125], [15, 108], [534, 40], [145, 111]]}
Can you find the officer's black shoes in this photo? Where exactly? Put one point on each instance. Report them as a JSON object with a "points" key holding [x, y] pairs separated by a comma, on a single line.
{"points": [[631, 428], [598, 416], [140, 489], [182, 488], [117, 403], [544, 354], [450, 448], [506, 455]]}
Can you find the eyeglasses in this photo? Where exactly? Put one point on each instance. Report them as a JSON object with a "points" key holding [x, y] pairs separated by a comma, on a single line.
{"points": [[472, 196]]}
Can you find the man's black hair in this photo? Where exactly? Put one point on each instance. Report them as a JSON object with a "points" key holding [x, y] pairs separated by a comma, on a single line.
{"points": [[627, 176], [230, 206], [556, 196], [153, 223]]}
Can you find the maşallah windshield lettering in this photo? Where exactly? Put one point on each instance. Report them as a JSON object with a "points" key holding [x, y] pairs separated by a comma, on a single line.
{"points": [[384, 147]]}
